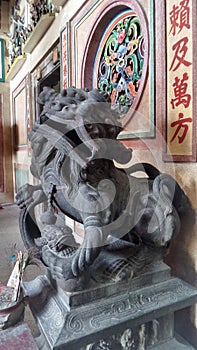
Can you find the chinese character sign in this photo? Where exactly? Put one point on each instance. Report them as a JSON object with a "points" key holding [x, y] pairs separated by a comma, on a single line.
{"points": [[179, 77], [64, 58]]}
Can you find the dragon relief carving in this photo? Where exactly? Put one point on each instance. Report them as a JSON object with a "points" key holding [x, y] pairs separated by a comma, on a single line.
{"points": [[128, 221]]}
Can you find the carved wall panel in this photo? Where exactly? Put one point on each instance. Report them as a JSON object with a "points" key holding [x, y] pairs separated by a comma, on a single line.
{"points": [[144, 336], [47, 73], [19, 104], [121, 61], [21, 127], [101, 18]]}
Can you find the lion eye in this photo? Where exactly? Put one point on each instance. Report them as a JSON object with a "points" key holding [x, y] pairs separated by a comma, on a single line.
{"points": [[89, 126]]}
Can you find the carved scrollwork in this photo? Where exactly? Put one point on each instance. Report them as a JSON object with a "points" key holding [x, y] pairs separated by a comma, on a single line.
{"points": [[119, 307], [75, 324]]}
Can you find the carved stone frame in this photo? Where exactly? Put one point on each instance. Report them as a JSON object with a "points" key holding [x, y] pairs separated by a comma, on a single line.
{"points": [[65, 63], [41, 72], [19, 96]]}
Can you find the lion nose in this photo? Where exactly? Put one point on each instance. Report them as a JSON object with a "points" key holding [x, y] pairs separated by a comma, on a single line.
{"points": [[165, 243]]}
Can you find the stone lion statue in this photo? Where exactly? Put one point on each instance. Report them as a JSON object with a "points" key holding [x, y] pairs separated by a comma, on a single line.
{"points": [[128, 221]]}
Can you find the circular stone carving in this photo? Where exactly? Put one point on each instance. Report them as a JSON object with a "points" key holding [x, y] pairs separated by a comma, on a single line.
{"points": [[121, 62]]}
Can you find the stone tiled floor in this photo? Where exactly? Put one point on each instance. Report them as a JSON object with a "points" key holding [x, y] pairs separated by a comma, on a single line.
{"points": [[10, 243]]}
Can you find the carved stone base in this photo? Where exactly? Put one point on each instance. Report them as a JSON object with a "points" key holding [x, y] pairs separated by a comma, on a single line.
{"points": [[123, 316]]}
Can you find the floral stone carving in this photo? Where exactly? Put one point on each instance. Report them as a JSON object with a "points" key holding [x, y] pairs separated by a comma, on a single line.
{"points": [[120, 60]]}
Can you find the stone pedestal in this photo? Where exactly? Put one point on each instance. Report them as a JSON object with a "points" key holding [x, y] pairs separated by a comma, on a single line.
{"points": [[138, 314]]}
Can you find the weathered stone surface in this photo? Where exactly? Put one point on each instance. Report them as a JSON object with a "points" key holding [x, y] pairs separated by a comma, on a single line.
{"points": [[129, 222], [176, 343], [67, 323], [144, 336], [113, 289], [154, 273]]}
